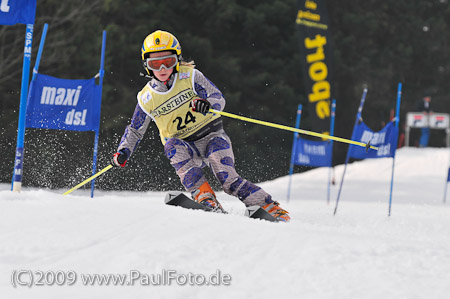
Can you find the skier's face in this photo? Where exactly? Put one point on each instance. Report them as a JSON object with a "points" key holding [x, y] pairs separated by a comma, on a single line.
{"points": [[163, 74]]}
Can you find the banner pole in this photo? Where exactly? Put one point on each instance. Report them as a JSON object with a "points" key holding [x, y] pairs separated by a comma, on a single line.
{"points": [[94, 164], [347, 158], [445, 190], [35, 70], [16, 185], [397, 120], [41, 49], [333, 114], [101, 74], [446, 184], [294, 146]]}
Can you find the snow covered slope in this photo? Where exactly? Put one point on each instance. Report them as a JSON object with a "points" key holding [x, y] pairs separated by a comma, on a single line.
{"points": [[359, 253]]}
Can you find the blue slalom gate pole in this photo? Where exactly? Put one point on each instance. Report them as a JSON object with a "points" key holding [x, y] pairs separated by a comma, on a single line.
{"points": [[397, 120], [100, 89], [22, 134], [94, 163], [35, 70], [41, 49], [333, 114], [446, 183], [18, 162], [294, 146], [347, 158], [445, 188]]}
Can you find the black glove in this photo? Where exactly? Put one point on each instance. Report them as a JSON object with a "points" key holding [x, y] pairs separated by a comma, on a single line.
{"points": [[120, 158], [200, 105]]}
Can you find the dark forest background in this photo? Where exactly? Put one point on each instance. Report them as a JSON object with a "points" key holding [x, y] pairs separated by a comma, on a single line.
{"points": [[249, 49]]}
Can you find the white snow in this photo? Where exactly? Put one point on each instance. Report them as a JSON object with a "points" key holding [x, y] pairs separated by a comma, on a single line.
{"points": [[359, 253]]}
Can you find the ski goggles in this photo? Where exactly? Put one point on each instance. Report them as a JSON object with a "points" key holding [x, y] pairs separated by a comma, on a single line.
{"points": [[158, 63]]}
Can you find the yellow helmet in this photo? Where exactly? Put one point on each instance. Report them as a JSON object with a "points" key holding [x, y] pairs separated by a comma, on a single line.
{"points": [[160, 41]]}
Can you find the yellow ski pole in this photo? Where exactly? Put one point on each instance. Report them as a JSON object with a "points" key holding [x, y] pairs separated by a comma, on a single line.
{"points": [[301, 131], [89, 179]]}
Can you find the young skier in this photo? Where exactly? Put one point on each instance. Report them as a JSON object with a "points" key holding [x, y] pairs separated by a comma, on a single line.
{"points": [[178, 98]]}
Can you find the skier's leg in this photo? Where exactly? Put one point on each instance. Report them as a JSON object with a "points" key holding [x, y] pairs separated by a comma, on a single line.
{"points": [[186, 163], [219, 154]]}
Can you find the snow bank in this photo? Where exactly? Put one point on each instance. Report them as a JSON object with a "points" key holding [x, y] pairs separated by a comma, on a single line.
{"points": [[359, 253]]}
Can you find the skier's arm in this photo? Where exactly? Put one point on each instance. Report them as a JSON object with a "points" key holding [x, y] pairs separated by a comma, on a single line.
{"points": [[208, 91], [134, 132]]}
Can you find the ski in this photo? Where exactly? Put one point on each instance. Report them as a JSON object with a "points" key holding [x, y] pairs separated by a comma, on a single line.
{"points": [[257, 212], [181, 200]]}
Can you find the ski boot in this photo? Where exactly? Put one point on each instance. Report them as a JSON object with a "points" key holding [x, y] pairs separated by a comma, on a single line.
{"points": [[277, 212], [206, 196]]}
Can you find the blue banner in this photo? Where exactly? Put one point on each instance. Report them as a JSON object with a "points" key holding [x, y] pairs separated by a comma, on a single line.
{"points": [[385, 140], [17, 11], [62, 104], [312, 153], [448, 177]]}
